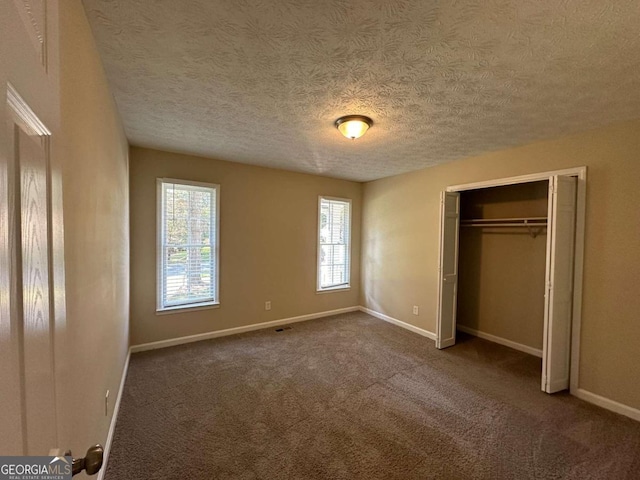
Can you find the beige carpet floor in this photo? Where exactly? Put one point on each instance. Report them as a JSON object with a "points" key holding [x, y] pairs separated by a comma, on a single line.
{"points": [[353, 397]]}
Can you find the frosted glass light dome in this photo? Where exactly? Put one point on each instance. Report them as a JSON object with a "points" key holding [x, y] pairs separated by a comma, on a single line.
{"points": [[353, 126]]}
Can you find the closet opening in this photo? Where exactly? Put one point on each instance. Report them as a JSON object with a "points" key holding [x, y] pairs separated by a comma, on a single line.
{"points": [[501, 264], [511, 267]]}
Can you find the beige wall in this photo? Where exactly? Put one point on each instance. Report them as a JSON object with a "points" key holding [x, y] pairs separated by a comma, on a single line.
{"points": [[501, 272], [400, 244], [94, 157], [268, 228]]}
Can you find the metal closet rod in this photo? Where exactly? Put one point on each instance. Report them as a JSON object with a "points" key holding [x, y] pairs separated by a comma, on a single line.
{"points": [[505, 222], [526, 222]]}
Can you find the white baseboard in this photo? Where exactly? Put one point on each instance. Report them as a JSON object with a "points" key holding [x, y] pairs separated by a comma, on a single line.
{"points": [[502, 341], [400, 323], [233, 331], [114, 419], [603, 402]]}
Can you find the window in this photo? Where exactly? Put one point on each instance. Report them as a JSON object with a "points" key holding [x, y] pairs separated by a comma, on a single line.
{"points": [[334, 243], [187, 244]]}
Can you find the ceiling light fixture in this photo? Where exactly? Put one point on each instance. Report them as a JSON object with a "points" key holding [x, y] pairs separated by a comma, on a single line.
{"points": [[353, 126]]}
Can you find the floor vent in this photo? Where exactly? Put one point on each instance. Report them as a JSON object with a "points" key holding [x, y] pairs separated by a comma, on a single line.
{"points": [[283, 329]]}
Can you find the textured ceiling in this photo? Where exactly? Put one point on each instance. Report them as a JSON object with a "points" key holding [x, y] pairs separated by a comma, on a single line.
{"points": [[262, 82]]}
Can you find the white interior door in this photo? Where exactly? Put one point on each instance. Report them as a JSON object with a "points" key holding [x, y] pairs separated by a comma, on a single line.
{"points": [[559, 277], [448, 269], [28, 297]]}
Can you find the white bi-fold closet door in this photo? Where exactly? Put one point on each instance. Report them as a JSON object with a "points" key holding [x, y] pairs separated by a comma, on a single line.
{"points": [[448, 269], [559, 278], [559, 284]]}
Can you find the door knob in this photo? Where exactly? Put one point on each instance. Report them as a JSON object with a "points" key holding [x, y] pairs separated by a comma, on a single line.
{"points": [[92, 462]]}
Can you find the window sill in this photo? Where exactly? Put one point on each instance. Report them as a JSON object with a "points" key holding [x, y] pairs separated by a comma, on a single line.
{"points": [[188, 308], [345, 288]]}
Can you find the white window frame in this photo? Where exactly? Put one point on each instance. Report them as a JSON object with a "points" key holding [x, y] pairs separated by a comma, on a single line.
{"points": [[160, 308], [347, 285]]}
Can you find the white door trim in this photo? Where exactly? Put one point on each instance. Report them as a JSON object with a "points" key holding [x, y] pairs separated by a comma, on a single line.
{"points": [[578, 263], [580, 172]]}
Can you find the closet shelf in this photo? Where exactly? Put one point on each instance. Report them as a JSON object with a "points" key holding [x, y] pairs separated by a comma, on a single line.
{"points": [[526, 222]]}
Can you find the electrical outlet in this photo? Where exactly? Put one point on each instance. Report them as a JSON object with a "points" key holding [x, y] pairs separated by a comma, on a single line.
{"points": [[267, 305], [415, 310], [106, 404]]}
